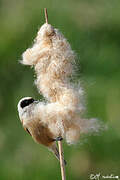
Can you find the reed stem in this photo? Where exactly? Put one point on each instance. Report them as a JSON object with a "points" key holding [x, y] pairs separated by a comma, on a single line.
{"points": [[62, 163]]}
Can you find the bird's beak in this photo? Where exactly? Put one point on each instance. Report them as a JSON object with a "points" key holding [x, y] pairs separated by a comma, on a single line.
{"points": [[36, 101]]}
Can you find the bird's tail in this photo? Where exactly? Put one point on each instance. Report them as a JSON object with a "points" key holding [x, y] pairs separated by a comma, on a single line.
{"points": [[54, 149]]}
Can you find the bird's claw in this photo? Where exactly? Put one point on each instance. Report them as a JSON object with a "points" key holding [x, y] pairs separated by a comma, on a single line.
{"points": [[59, 138]]}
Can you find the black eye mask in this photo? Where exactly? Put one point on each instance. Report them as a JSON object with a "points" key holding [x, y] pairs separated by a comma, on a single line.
{"points": [[26, 102]]}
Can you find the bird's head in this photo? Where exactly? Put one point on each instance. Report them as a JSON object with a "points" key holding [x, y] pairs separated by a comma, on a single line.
{"points": [[24, 106], [24, 102]]}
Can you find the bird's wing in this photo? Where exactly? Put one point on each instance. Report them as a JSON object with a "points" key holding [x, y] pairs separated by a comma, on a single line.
{"points": [[27, 130]]}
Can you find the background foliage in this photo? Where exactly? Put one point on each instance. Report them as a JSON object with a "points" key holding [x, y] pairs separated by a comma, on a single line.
{"points": [[93, 29]]}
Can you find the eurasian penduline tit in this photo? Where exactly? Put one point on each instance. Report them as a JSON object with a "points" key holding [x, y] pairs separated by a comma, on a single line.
{"points": [[32, 123]]}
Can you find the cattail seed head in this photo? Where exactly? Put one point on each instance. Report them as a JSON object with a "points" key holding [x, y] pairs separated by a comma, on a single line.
{"points": [[53, 59]]}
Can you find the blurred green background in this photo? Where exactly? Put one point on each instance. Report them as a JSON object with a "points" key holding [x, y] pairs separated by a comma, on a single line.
{"points": [[93, 29]]}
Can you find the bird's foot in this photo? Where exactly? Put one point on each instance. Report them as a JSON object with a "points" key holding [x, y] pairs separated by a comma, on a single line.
{"points": [[59, 138]]}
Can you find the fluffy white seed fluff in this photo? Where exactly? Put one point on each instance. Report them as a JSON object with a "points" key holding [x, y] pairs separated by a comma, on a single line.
{"points": [[52, 58]]}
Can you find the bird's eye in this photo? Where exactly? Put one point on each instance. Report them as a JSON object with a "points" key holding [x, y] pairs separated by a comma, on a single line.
{"points": [[26, 102]]}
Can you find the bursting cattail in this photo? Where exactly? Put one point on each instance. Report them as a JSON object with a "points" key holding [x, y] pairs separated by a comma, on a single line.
{"points": [[53, 59]]}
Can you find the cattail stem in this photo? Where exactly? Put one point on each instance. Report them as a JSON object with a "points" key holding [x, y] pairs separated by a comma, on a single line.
{"points": [[46, 15], [62, 163]]}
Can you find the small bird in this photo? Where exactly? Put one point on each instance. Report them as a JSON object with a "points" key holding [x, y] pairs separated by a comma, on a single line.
{"points": [[35, 127]]}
